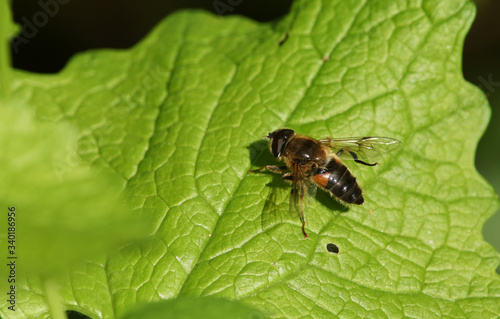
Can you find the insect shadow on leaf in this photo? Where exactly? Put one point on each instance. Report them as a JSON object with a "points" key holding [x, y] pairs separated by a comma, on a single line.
{"points": [[259, 153], [276, 207], [331, 203]]}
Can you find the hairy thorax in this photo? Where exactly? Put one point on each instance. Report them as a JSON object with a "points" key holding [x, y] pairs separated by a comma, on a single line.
{"points": [[306, 152]]}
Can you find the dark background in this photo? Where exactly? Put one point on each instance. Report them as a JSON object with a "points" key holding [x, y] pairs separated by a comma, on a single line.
{"points": [[79, 25]]}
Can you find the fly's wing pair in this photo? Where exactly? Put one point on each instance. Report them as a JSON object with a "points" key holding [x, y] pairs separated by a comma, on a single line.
{"points": [[360, 149]]}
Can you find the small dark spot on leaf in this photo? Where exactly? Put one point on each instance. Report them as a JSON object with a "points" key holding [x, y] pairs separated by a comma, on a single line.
{"points": [[283, 39], [332, 248]]}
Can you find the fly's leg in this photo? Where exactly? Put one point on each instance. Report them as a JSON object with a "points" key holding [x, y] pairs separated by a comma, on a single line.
{"points": [[355, 157], [289, 177], [303, 226], [296, 199], [271, 168], [303, 191]]}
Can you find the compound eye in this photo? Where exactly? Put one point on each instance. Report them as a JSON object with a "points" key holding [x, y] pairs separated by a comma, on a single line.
{"points": [[279, 140]]}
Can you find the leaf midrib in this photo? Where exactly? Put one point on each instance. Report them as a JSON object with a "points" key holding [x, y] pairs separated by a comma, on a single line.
{"points": [[240, 183]]}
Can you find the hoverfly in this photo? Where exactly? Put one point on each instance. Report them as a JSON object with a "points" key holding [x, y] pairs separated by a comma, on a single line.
{"points": [[310, 162]]}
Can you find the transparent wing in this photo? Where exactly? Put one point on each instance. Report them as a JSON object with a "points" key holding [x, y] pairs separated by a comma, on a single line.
{"points": [[354, 148]]}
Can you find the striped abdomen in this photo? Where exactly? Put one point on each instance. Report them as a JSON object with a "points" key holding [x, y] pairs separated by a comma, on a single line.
{"points": [[337, 179]]}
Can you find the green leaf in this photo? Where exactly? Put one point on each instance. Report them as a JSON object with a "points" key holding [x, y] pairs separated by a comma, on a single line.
{"points": [[180, 117], [61, 211]]}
